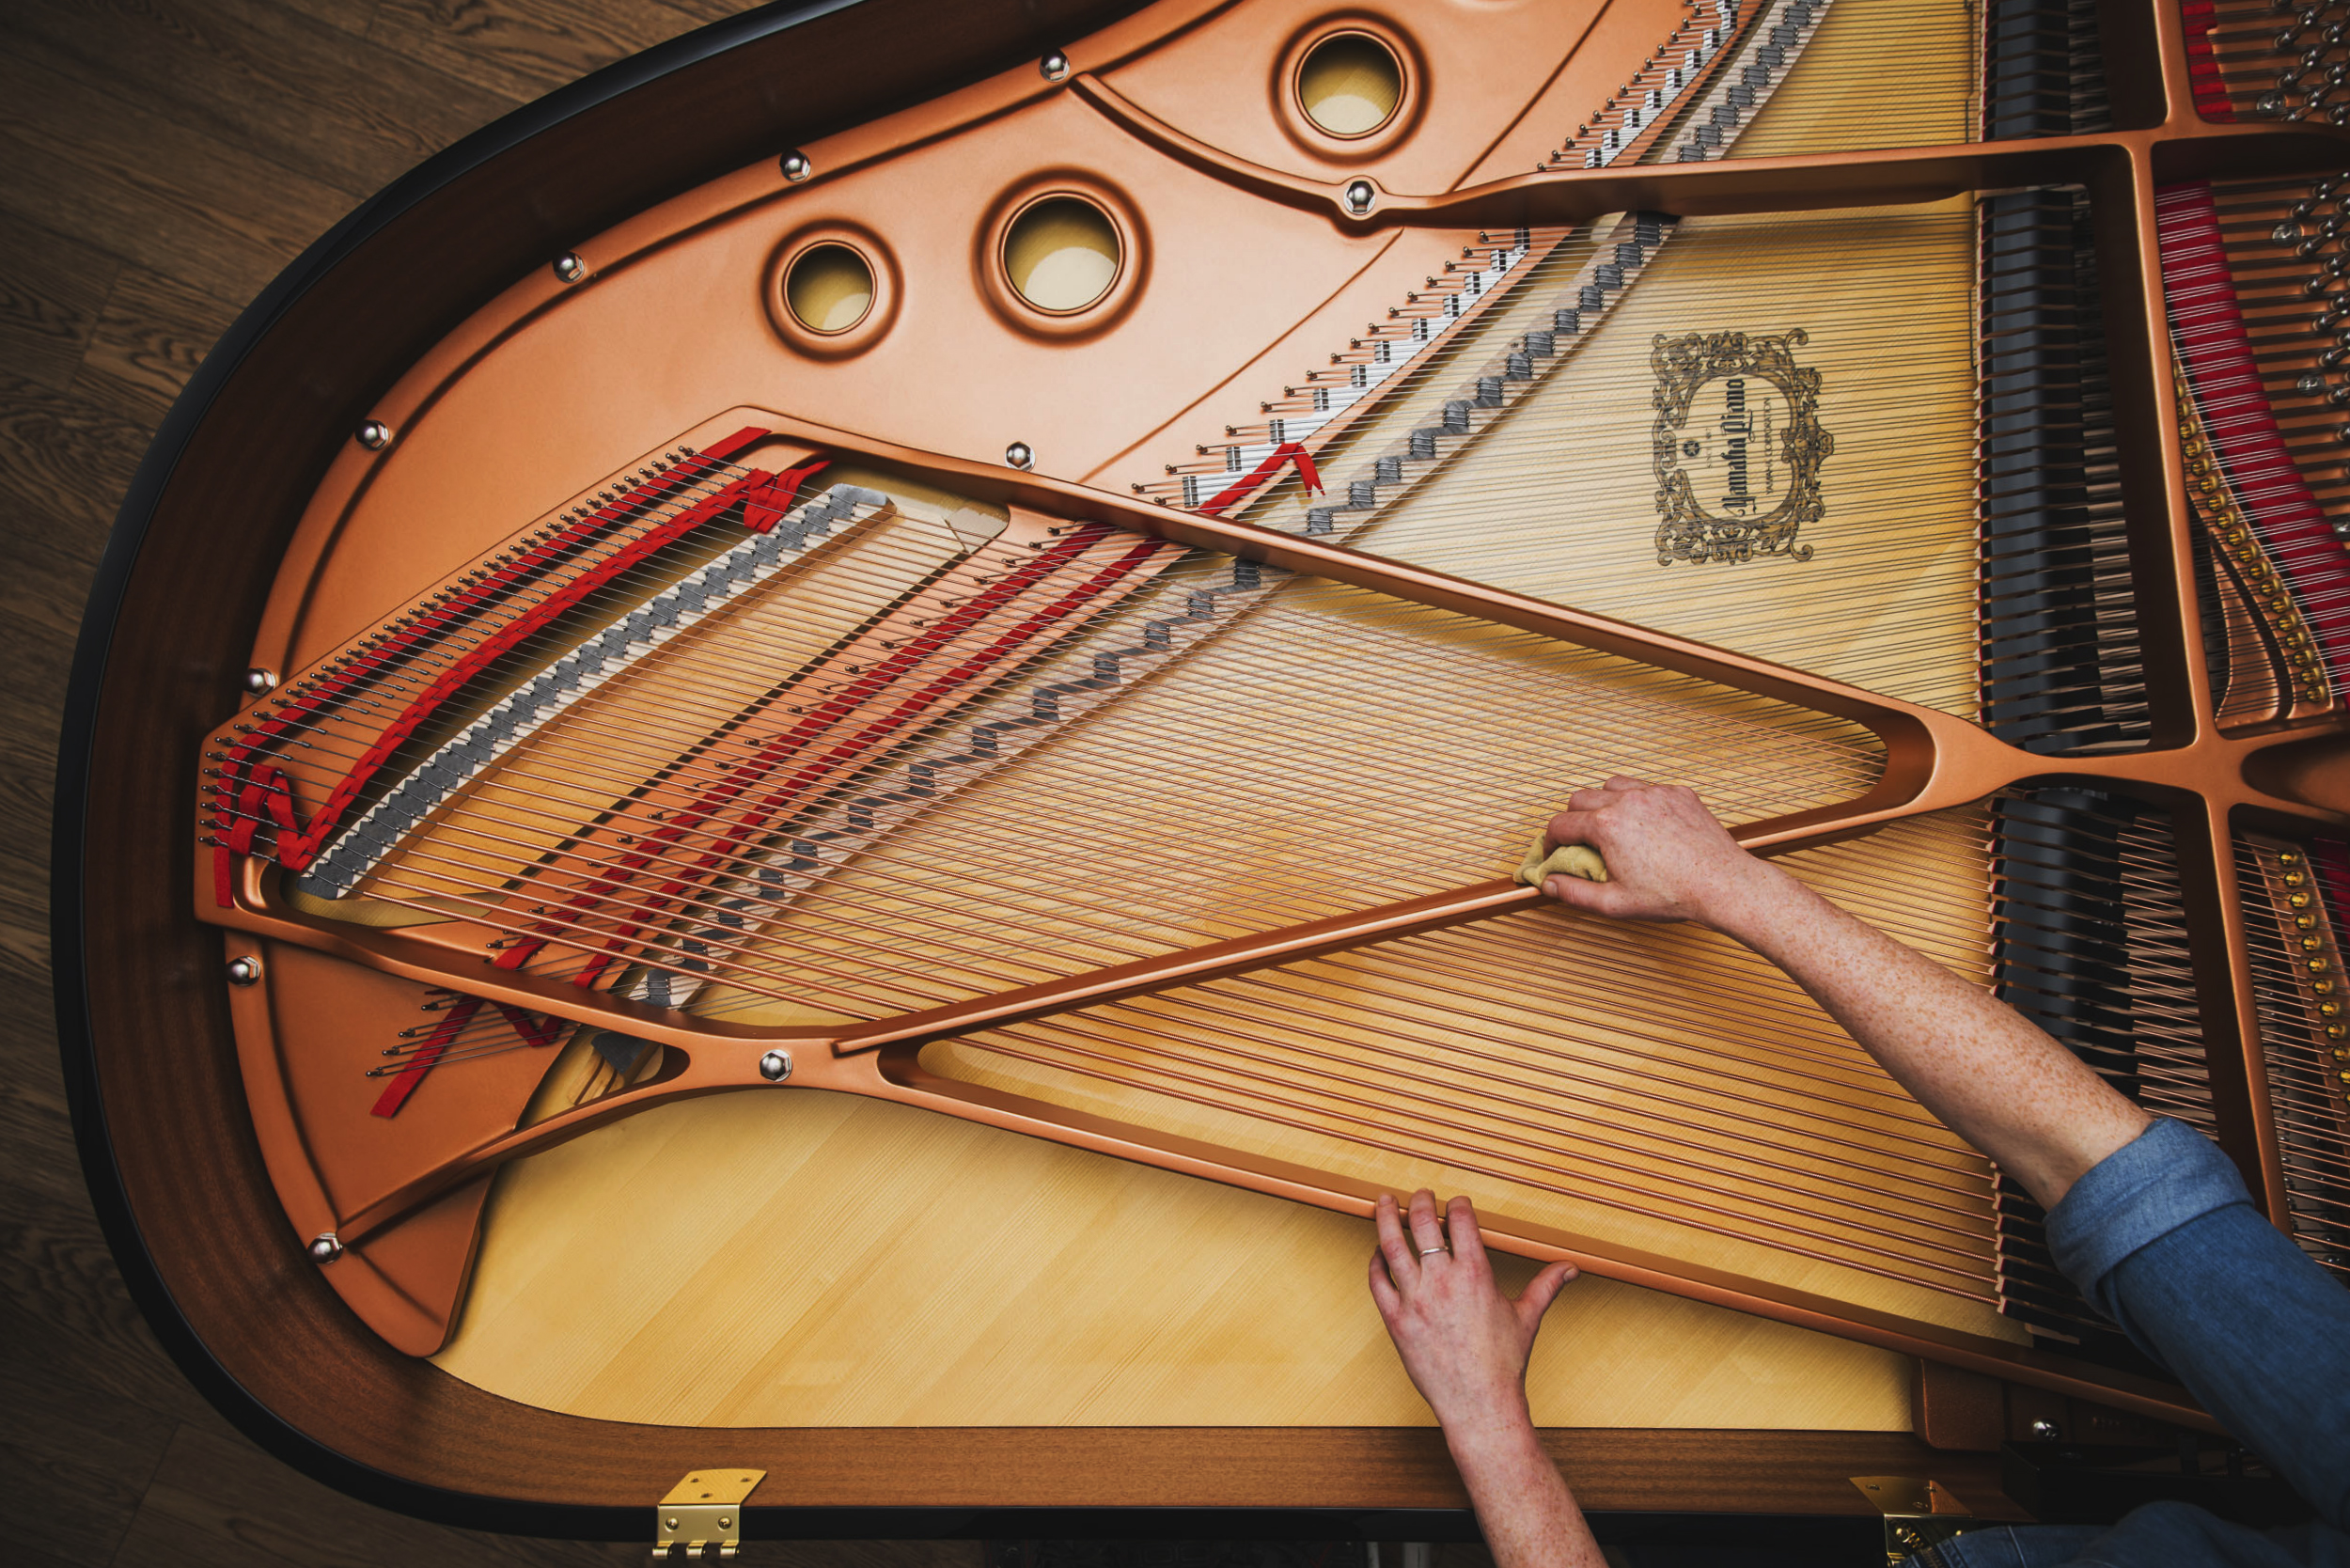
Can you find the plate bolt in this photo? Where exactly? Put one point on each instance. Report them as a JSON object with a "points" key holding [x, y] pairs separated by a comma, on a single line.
{"points": [[1359, 196], [243, 971], [569, 268], [375, 435], [1054, 66], [324, 1248], [1020, 455], [258, 679], [776, 1066], [796, 167]]}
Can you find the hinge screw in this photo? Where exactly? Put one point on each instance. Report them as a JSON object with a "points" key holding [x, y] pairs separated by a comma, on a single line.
{"points": [[776, 1066], [243, 971], [375, 435]]}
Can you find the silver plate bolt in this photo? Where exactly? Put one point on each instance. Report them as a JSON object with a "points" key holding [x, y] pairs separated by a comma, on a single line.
{"points": [[243, 971], [2046, 1430], [1359, 196], [324, 1249], [796, 167], [375, 435], [569, 268], [258, 679], [1021, 456], [1054, 66], [776, 1066]]}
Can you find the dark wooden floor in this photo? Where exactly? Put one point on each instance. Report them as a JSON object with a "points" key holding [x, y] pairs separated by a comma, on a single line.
{"points": [[159, 161]]}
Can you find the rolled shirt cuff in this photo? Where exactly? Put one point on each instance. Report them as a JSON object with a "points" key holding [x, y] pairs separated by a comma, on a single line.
{"points": [[2170, 1175]]}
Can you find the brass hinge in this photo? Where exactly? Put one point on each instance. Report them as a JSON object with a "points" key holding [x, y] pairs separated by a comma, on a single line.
{"points": [[702, 1516], [1918, 1513]]}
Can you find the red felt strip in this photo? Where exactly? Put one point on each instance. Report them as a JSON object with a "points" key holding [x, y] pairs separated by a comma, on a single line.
{"points": [[764, 508], [1281, 457], [295, 846], [534, 1030], [2332, 858], [2208, 327], [749, 774], [778, 799], [753, 773], [435, 1045], [2202, 61], [812, 723]]}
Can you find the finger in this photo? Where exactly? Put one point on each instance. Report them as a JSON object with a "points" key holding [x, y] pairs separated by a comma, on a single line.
{"points": [[1625, 781], [1591, 800], [1541, 1291], [1593, 898], [1427, 1232], [1403, 1259], [1460, 1225], [1574, 827], [1383, 1292]]}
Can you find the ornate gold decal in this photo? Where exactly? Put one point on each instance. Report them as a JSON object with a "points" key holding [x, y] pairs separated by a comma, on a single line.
{"points": [[1738, 447]]}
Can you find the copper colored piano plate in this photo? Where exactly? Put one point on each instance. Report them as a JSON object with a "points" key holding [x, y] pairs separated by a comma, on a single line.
{"points": [[1128, 798]]}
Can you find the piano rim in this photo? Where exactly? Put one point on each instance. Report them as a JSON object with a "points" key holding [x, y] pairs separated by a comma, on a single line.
{"points": [[228, 1315]]}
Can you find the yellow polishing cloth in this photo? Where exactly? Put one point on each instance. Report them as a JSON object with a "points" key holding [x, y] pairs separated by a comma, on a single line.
{"points": [[1569, 860]]}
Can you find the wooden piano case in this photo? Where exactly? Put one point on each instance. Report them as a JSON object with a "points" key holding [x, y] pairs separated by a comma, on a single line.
{"points": [[833, 1279]]}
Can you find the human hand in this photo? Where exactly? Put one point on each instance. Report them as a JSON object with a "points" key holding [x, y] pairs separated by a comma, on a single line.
{"points": [[1669, 858], [1463, 1342]]}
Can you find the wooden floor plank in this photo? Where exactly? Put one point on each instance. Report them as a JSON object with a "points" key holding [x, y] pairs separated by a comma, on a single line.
{"points": [[525, 47], [77, 1472], [51, 291], [353, 17], [65, 462], [108, 172], [152, 333], [62, 1306], [256, 75], [700, 11]]}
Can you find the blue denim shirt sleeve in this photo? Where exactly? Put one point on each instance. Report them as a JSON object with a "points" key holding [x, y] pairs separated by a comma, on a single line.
{"points": [[2162, 1236]]}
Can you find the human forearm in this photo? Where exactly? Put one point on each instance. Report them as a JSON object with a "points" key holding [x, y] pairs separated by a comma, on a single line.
{"points": [[1465, 1345], [1980, 1067], [1528, 1516], [1972, 1060]]}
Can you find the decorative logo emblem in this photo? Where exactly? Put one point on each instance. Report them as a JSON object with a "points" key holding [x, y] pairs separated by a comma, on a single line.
{"points": [[1738, 447]]}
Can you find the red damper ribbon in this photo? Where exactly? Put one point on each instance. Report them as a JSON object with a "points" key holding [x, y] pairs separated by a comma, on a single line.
{"points": [[1283, 455]]}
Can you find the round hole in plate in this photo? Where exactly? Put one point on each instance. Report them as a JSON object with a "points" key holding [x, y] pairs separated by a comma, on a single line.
{"points": [[829, 288], [1349, 84], [1062, 254]]}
